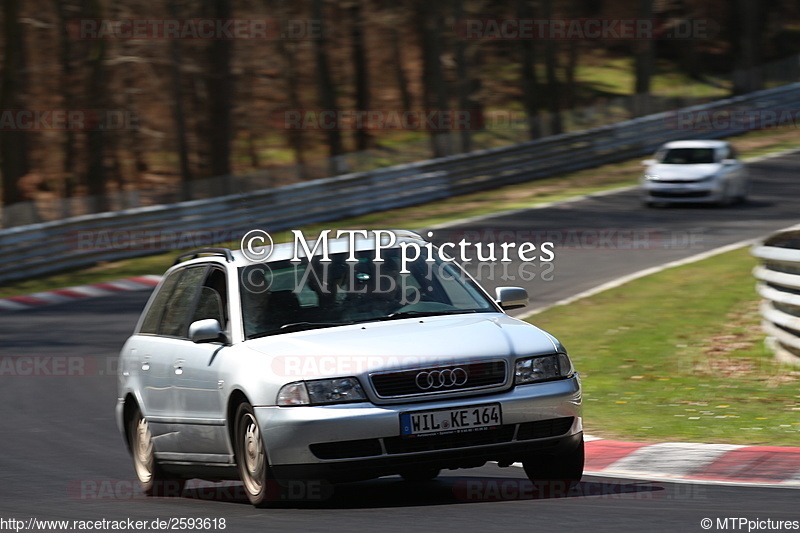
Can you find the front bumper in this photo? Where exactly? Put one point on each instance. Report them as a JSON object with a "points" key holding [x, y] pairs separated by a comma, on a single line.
{"points": [[360, 441], [682, 192]]}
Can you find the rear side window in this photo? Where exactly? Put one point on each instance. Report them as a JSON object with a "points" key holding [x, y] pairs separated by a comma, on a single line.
{"points": [[169, 312], [175, 322], [156, 310]]}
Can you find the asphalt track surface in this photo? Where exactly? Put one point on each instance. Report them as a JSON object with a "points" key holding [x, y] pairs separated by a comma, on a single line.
{"points": [[61, 456]]}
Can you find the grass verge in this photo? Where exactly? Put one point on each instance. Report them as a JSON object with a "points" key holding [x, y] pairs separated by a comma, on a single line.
{"points": [[679, 356], [524, 195]]}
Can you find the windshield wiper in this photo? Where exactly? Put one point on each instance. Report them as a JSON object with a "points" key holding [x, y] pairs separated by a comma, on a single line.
{"points": [[419, 314], [301, 326], [298, 326]]}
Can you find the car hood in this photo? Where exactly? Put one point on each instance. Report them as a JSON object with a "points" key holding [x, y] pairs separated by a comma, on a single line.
{"points": [[429, 341], [683, 172]]}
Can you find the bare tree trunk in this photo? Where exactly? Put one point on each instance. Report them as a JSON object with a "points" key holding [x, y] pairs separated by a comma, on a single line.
{"points": [[569, 74], [97, 96], [327, 90], [11, 143], [644, 58], [551, 69], [220, 96], [67, 82], [177, 106], [395, 20], [433, 80], [747, 46], [287, 51], [530, 83], [363, 137], [462, 71]]}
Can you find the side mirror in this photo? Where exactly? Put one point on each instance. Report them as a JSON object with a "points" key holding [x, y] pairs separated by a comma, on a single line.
{"points": [[206, 330], [648, 162], [511, 297]]}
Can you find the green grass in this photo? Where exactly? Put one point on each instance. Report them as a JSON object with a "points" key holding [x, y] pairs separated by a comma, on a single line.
{"points": [[615, 77], [679, 356]]}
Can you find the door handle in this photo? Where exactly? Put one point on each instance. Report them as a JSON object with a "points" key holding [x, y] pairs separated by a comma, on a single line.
{"points": [[146, 363], [178, 366]]}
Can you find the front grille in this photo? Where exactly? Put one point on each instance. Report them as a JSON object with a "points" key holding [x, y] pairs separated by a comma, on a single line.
{"points": [[479, 375], [395, 445], [354, 449]]}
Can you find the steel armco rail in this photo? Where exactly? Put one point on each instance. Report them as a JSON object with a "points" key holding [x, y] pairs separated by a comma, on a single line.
{"points": [[778, 284], [39, 249]]}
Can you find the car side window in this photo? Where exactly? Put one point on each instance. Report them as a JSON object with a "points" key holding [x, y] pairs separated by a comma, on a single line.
{"points": [[175, 322], [156, 310]]}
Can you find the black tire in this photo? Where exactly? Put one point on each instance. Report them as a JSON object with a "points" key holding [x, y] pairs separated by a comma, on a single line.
{"points": [[727, 199], [418, 475], [151, 478], [565, 470], [743, 194], [251, 458]]}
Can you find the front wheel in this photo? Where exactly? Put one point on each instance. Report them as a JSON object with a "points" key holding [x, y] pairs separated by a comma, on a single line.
{"points": [[251, 457], [419, 475], [151, 479], [565, 467]]}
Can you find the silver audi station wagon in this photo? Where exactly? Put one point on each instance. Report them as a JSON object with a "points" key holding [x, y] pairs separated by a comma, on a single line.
{"points": [[342, 362]]}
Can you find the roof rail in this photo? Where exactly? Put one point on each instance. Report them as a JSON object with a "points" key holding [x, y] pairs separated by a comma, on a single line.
{"points": [[408, 233], [205, 251]]}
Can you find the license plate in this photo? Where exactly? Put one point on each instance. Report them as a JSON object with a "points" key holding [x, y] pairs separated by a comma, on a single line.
{"points": [[442, 421]]}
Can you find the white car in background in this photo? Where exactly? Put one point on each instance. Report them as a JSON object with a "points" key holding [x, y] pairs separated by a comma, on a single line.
{"points": [[699, 171]]}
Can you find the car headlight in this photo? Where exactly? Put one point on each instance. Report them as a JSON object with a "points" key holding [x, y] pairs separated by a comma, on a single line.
{"points": [[321, 392], [542, 368], [705, 178], [651, 177]]}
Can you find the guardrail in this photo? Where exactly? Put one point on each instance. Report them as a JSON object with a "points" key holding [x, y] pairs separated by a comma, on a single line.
{"points": [[38, 249], [778, 284]]}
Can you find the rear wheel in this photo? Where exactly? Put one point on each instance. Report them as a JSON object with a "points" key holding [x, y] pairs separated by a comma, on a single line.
{"points": [[548, 470], [251, 457], [152, 480]]}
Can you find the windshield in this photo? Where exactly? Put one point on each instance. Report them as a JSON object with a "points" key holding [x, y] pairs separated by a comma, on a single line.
{"points": [[688, 156], [284, 296]]}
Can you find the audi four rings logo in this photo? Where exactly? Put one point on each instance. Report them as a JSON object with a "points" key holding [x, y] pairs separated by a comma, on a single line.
{"points": [[438, 379]]}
